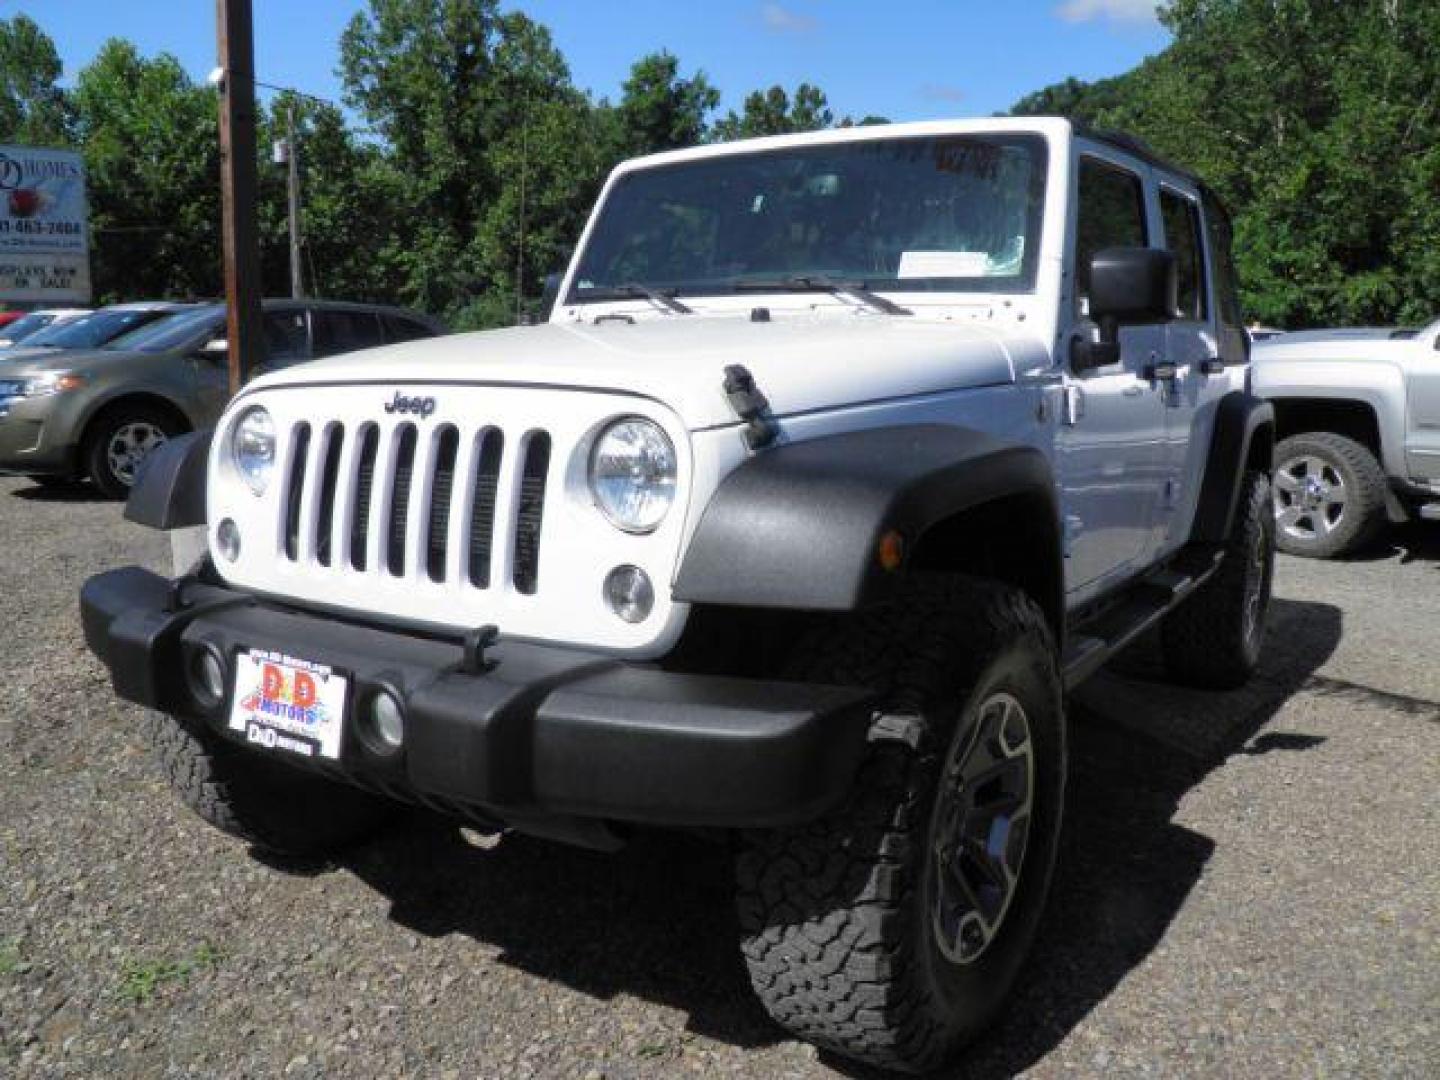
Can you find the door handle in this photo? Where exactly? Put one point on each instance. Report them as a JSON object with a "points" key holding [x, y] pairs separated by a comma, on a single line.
{"points": [[1162, 371]]}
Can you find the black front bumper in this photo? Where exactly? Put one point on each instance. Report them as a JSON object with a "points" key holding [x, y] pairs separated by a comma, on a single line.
{"points": [[543, 730]]}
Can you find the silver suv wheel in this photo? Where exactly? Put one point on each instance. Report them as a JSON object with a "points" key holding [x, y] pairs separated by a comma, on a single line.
{"points": [[129, 445]]}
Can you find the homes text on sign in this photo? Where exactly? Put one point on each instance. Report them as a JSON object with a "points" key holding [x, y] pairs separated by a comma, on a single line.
{"points": [[44, 229]]}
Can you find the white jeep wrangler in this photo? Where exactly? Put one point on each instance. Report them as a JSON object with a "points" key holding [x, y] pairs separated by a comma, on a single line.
{"points": [[840, 458]]}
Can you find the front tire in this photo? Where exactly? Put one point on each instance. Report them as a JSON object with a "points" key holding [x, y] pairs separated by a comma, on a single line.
{"points": [[1212, 640], [1329, 495], [891, 930], [262, 802], [120, 440]]}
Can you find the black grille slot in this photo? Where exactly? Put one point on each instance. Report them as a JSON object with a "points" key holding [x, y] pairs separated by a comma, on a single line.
{"points": [[530, 512], [400, 498], [482, 507], [295, 490], [364, 481], [442, 485], [329, 477]]}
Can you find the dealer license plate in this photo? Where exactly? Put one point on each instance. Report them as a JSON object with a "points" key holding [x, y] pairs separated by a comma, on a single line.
{"points": [[282, 703]]}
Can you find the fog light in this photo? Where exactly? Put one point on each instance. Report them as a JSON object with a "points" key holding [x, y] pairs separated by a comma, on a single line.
{"points": [[387, 721], [629, 593], [227, 537], [207, 677]]}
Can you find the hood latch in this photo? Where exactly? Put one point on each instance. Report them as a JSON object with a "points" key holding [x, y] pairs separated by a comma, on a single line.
{"points": [[751, 406]]}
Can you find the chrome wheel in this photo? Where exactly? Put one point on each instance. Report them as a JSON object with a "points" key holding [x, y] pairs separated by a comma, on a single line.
{"points": [[129, 445], [981, 825], [1310, 497]]}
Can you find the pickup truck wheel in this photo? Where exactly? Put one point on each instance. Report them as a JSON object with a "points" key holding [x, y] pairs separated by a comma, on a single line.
{"points": [[119, 441], [891, 930], [262, 802], [1329, 495], [1212, 640]]}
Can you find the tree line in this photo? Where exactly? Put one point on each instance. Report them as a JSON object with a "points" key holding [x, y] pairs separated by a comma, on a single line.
{"points": [[468, 160]]}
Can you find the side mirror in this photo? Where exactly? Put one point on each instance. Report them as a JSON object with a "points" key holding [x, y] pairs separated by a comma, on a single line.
{"points": [[1129, 286], [548, 297]]}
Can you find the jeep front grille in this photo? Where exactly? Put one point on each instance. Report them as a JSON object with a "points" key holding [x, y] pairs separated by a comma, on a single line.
{"points": [[386, 497]]}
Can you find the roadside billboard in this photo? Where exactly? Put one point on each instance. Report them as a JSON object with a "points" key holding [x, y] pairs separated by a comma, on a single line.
{"points": [[44, 229]]}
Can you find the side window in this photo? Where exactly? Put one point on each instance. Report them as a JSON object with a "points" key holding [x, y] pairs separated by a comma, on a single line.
{"points": [[344, 331], [399, 328], [1235, 342], [1111, 214], [1182, 236], [285, 342]]}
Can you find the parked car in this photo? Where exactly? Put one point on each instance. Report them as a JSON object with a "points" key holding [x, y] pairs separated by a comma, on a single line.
{"points": [[1358, 416], [8, 317], [92, 329], [97, 413], [34, 322], [841, 457]]}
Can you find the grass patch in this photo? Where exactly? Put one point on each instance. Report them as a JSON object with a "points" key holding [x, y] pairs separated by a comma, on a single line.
{"points": [[10, 960], [141, 980]]}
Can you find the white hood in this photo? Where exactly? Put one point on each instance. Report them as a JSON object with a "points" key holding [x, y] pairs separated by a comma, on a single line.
{"points": [[801, 365]]}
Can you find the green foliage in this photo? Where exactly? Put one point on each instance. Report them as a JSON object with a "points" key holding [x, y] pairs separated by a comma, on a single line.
{"points": [[1327, 149], [152, 154], [33, 110], [661, 111], [774, 112], [141, 980]]}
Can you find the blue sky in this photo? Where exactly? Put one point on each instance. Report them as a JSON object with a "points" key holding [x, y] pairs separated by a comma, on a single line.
{"points": [[906, 59]]}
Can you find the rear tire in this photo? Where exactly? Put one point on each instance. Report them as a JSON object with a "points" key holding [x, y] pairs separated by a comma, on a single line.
{"points": [[1212, 640], [262, 802], [866, 932], [1329, 495], [119, 440]]}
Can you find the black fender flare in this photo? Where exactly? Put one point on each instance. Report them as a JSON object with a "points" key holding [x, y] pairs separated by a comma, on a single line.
{"points": [[169, 492], [799, 526], [1240, 419]]}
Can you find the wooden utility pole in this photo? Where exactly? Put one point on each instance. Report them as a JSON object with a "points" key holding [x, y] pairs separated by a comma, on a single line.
{"points": [[239, 181], [292, 160]]}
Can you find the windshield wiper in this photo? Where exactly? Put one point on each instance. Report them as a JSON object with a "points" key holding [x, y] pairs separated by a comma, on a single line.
{"points": [[856, 290], [656, 296]]}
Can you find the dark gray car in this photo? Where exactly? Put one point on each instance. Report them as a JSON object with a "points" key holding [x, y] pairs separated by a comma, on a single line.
{"points": [[96, 413]]}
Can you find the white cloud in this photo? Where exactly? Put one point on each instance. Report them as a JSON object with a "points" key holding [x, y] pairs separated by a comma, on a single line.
{"points": [[1077, 11], [781, 20]]}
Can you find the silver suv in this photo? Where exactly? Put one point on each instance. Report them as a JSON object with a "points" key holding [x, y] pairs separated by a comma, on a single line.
{"points": [[67, 414]]}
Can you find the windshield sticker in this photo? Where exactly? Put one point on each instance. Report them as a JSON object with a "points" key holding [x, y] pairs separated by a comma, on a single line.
{"points": [[943, 264]]}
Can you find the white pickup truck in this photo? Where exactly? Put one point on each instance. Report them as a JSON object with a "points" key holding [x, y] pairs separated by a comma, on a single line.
{"points": [[1358, 416]]}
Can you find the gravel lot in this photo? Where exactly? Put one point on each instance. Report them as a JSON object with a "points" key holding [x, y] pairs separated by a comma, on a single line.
{"points": [[1249, 883]]}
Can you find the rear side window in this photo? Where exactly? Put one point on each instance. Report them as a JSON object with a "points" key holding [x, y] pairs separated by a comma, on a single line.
{"points": [[1111, 214], [285, 337], [345, 331], [1235, 342], [1182, 236], [399, 328]]}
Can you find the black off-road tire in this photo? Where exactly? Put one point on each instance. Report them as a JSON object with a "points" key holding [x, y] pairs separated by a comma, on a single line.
{"points": [[95, 455], [836, 918], [1364, 515], [262, 802], [1212, 640]]}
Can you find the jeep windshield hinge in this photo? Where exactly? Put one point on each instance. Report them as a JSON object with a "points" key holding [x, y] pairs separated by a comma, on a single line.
{"points": [[751, 406]]}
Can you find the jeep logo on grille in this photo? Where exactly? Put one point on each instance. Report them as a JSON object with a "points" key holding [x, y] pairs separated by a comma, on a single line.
{"points": [[422, 406]]}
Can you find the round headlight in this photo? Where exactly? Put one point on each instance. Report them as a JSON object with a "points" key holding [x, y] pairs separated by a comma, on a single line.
{"points": [[632, 474], [252, 447]]}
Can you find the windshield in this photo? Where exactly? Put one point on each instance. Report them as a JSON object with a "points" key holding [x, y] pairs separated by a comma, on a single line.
{"points": [[93, 330], [180, 329], [951, 213], [24, 326]]}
